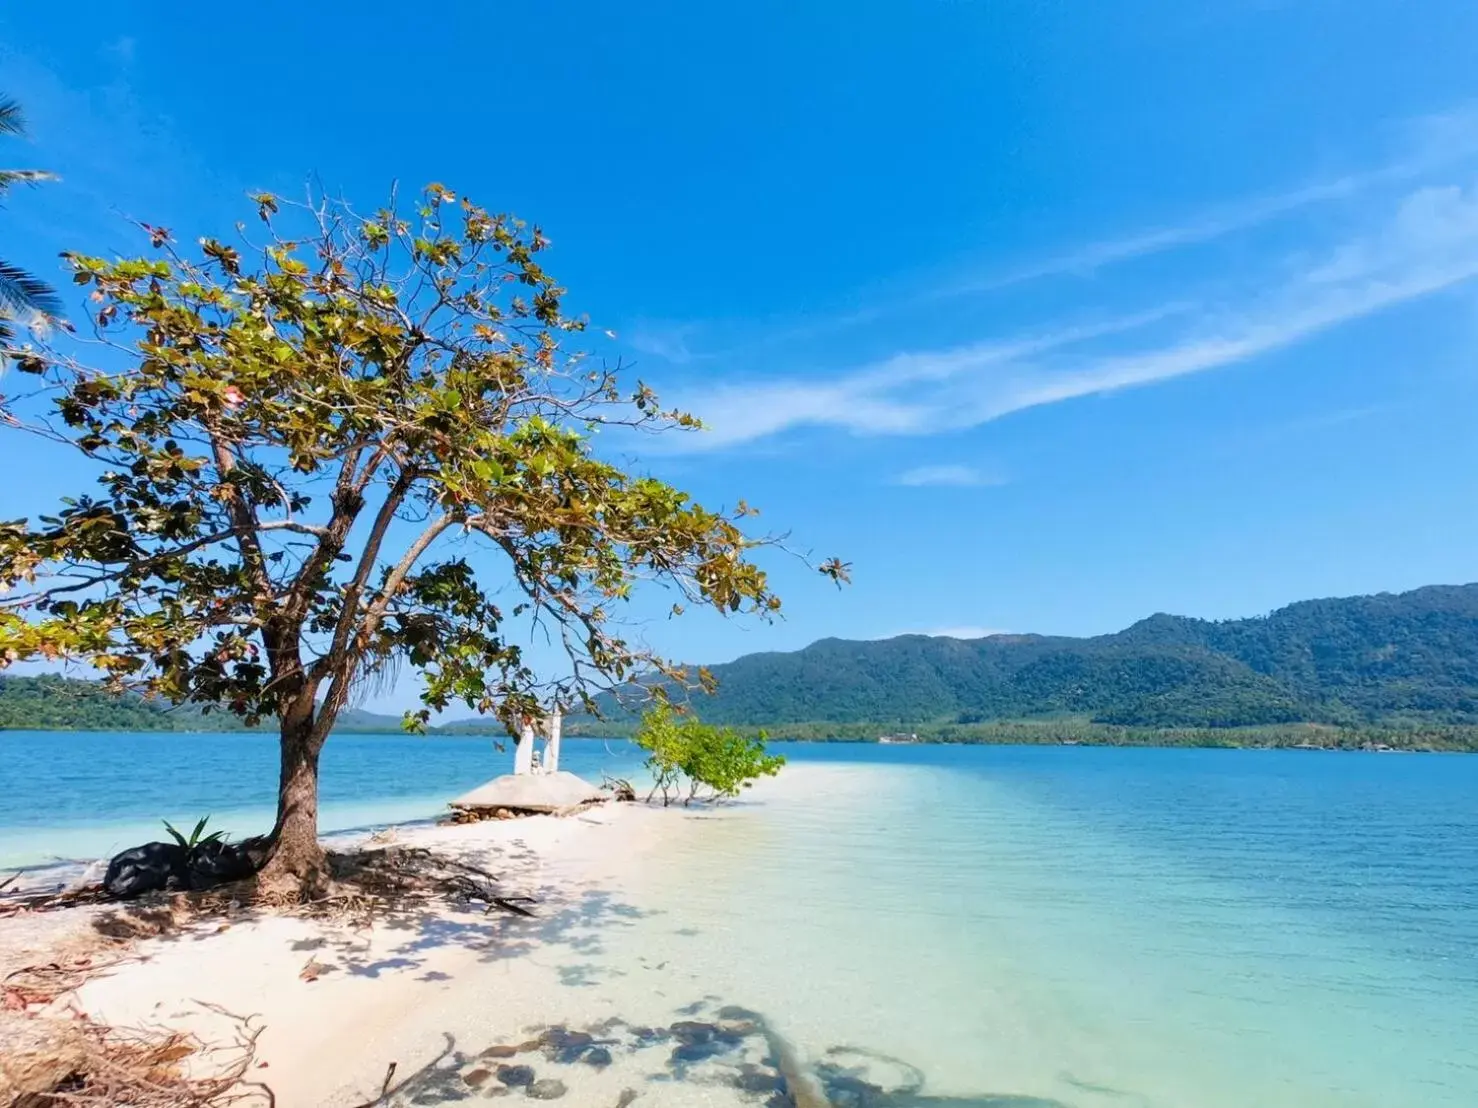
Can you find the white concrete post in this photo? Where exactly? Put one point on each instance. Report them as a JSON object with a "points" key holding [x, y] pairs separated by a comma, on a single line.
{"points": [[523, 751], [551, 748]]}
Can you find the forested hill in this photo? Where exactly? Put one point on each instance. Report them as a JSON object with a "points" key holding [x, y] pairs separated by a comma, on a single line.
{"points": [[57, 703], [1392, 661], [1389, 659]]}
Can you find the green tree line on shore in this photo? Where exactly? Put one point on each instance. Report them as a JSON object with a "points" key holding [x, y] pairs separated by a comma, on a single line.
{"points": [[1080, 732], [64, 704]]}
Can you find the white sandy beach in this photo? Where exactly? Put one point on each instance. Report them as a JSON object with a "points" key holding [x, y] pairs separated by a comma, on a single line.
{"points": [[455, 978], [431, 991]]}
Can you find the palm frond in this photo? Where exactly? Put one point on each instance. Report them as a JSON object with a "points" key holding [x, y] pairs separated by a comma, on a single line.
{"points": [[24, 296], [10, 177], [12, 121]]}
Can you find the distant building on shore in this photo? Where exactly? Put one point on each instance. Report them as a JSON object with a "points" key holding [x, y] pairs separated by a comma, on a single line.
{"points": [[893, 740]]}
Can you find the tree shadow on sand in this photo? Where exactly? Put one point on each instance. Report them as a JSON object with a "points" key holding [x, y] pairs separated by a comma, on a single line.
{"points": [[392, 908]]}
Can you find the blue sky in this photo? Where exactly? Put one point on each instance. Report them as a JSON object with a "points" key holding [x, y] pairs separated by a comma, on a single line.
{"points": [[1046, 316]]}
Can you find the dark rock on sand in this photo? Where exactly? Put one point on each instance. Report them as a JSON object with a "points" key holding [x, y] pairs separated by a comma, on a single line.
{"points": [[216, 862], [547, 1089], [597, 1056], [499, 1052], [153, 867], [170, 867]]}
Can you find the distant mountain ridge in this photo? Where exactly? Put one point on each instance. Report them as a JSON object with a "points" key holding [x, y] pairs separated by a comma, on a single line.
{"points": [[51, 702], [1407, 660], [1388, 659]]}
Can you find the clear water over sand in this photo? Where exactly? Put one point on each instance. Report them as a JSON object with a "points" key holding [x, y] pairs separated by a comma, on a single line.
{"points": [[1178, 929], [1093, 928]]}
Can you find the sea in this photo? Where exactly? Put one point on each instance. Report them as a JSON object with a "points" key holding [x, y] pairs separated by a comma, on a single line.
{"points": [[1018, 927]]}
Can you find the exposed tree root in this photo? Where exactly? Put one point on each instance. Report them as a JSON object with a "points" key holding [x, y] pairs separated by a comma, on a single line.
{"points": [[39, 985], [357, 884], [15, 905]]}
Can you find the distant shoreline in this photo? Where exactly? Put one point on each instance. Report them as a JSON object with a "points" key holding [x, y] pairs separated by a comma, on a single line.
{"points": [[1437, 739]]}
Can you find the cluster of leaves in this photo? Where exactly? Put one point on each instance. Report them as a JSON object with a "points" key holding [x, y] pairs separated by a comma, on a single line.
{"points": [[359, 444], [197, 837], [686, 756], [304, 443]]}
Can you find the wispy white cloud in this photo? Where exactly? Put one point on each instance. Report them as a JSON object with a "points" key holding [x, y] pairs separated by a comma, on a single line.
{"points": [[1430, 143], [874, 398], [668, 341], [1422, 145], [1427, 244], [953, 476]]}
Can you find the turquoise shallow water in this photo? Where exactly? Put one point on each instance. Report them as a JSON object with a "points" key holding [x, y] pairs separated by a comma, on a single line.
{"points": [[85, 795], [1093, 927]]}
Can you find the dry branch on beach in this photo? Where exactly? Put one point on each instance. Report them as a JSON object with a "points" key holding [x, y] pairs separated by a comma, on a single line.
{"points": [[160, 1069]]}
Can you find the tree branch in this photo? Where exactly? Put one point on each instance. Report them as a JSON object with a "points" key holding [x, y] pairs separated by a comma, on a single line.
{"points": [[367, 559], [342, 666]]}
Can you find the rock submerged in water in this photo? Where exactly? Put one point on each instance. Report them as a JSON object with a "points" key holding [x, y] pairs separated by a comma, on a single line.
{"points": [[738, 1048], [757, 1081], [516, 1076], [563, 1045], [691, 1031], [697, 1042]]}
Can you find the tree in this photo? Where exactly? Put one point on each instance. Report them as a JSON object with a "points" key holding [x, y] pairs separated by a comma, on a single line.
{"points": [[23, 297], [685, 756], [308, 461]]}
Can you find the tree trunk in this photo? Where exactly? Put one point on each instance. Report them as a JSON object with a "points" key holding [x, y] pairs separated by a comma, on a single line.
{"points": [[295, 860]]}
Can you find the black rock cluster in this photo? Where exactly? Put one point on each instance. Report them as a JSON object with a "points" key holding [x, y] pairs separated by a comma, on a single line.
{"points": [[170, 867]]}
